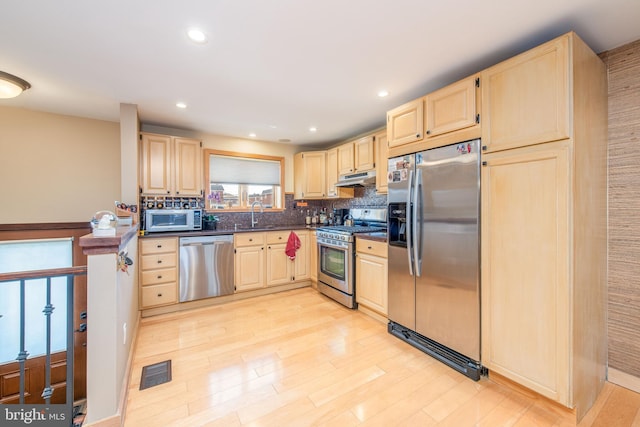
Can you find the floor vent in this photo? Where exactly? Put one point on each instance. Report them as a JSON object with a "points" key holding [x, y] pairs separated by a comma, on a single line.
{"points": [[158, 373]]}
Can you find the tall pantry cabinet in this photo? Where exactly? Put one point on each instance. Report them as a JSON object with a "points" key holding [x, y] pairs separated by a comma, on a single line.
{"points": [[543, 181]]}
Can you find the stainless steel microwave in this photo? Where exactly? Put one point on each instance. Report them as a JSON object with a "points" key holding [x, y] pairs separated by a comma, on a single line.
{"points": [[157, 220]]}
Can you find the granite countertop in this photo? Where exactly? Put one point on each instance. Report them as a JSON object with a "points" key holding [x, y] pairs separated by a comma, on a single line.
{"points": [[378, 236], [230, 230]]}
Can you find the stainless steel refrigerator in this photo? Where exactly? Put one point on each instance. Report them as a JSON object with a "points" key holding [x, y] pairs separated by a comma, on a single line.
{"points": [[434, 273]]}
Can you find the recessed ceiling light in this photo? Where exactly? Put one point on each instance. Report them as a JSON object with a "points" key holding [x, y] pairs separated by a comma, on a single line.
{"points": [[252, 135], [181, 105], [313, 129], [197, 35], [383, 93]]}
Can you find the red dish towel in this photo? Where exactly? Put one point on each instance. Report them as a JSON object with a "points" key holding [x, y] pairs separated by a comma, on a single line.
{"points": [[293, 244]]}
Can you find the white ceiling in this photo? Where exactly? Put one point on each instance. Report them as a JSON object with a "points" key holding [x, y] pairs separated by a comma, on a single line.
{"points": [[291, 64]]}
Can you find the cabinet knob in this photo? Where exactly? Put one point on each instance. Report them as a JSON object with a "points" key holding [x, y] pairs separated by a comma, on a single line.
{"points": [[280, 238], [484, 163], [369, 247], [159, 261], [484, 148], [417, 135], [251, 240], [428, 132], [158, 246], [159, 295], [168, 192], [159, 277]]}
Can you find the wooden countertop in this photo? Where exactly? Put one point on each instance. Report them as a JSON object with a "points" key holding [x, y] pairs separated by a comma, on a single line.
{"points": [[378, 236]]}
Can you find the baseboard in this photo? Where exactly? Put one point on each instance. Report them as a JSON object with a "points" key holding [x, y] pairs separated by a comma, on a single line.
{"points": [[373, 314], [113, 421], [623, 379]]}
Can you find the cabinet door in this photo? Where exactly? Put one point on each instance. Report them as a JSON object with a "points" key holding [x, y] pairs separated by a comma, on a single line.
{"points": [[310, 175], [301, 265], [526, 99], [156, 164], [526, 308], [188, 161], [365, 154], [382, 163], [451, 108], [371, 282], [249, 268], [278, 265], [405, 123], [345, 159]]}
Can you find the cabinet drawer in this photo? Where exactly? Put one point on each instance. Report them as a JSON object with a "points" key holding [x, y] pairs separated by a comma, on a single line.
{"points": [[156, 246], [371, 247], [274, 237], [163, 275], [249, 239], [159, 295], [152, 262]]}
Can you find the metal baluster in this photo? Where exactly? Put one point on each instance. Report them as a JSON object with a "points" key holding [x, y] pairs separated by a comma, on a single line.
{"points": [[22, 356], [48, 310], [70, 346]]}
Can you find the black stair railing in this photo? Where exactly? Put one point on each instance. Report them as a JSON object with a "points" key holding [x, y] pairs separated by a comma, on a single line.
{"points": [[49, 414]]}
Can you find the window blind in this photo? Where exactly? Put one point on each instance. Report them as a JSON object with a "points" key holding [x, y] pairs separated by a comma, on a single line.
{"points": [[240, 170]]}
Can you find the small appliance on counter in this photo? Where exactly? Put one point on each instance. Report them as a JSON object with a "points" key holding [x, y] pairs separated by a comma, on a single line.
{"points": [[338, 216], [158, 220]]}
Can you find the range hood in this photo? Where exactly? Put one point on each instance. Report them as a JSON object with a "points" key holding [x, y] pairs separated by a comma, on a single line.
{"points": [[360, 179]]}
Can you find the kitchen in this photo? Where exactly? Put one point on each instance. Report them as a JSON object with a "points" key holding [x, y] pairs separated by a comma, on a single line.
{"points": [[30, 208]]}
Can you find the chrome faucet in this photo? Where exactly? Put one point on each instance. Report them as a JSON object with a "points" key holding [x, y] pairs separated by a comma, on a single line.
{"points": [[255, 221]]}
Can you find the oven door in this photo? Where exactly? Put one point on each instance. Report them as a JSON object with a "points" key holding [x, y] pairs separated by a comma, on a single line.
{"points": [[335, 266]]}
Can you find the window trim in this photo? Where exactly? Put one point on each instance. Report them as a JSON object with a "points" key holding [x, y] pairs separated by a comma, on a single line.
{"points": [[207, 152]]}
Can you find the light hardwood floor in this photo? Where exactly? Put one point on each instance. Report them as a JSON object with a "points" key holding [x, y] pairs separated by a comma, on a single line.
{"points": [[299, 359]]}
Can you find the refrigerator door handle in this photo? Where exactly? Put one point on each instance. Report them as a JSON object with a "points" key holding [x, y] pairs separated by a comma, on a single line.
{"points": [[417, 223], [408, 222]]}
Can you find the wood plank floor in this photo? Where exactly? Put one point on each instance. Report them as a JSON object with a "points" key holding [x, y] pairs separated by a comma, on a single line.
{"points": [[299, 359]]}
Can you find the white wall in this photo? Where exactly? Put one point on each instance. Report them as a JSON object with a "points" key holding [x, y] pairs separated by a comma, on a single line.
{"points": [[56, 168]]}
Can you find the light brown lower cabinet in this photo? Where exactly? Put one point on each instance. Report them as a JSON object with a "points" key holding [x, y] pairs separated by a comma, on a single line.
{"points": [[158, 272], [371, 275]]}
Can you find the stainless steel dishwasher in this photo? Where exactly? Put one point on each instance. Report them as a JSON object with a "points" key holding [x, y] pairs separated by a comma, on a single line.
{"points": [[206, 267]]}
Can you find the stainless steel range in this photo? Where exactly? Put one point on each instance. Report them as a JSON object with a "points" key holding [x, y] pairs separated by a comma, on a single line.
{"points": [[336, 253]]}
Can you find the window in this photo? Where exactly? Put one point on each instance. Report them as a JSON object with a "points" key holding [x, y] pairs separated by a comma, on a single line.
{"points": [[235, 180]]}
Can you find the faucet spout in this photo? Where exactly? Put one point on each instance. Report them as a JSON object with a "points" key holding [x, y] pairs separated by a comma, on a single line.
{"points": [[253, 220]]}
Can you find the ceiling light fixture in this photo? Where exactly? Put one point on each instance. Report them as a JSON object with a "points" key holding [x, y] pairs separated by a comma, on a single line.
{"points": [[197, 35], [181, 105], [252, 135], [313, 129], [11, 86], [383, 93]]}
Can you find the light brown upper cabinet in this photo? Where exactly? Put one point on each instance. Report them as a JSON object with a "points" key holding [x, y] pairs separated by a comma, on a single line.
{"points": [[365, 159], [452, 107], [346, 159], [171, 165], [405, 123], [382, 162], [334, 192], [525, 100], [309, 171]]}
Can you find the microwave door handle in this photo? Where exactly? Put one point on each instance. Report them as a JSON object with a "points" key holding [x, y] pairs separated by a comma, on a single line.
{"points": [[408, 222], [417, 222]]}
